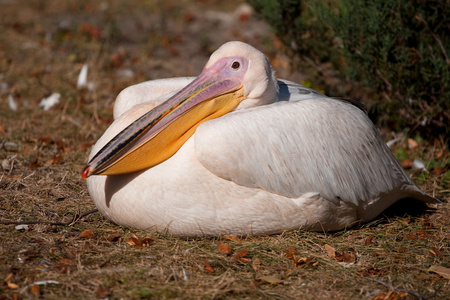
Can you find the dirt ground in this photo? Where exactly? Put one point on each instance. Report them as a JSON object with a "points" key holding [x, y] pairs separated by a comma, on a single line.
{"points": [[404, 254]]}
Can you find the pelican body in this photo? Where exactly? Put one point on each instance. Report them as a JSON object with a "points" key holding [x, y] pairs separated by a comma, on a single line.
{"points": [[238, 151]]}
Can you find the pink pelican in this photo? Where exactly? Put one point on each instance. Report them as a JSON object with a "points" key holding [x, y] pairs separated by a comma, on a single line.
{"points": [[238, 151]]}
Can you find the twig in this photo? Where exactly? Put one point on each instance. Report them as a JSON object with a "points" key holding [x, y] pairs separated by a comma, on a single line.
{"points": [[71, 222], [413, 293]]}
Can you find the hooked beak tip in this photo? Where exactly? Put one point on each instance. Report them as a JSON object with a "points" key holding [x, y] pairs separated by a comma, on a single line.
{"points": [[85, 173]]}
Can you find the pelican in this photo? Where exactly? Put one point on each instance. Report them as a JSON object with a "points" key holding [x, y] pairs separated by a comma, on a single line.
{"points": [[238, 151]]}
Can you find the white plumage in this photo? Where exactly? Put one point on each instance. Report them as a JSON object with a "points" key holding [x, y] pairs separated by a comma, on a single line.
{"points": [[294, 159]]}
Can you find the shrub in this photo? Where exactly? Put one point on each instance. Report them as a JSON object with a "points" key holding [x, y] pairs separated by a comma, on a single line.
{"points": [[400, 48]]}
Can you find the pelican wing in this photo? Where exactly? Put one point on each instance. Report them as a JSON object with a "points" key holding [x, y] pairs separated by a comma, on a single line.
{"points": [[294, 147], [291, 91]]}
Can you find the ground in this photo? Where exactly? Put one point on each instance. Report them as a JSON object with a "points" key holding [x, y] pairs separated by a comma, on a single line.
{"points": [[403, 254]]}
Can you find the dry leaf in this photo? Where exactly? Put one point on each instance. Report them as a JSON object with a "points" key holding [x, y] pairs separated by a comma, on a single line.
{"points": [[292, 250], [435, 252], [412, 144], [369, 240], [240, 256], [232, 237], [290, 253], [8, 284], [440, 154], [305, 261], [146, 241], [207, 267], [348, 256], [35, 290], [11, 286], [442, 271], [114, 238], [61, 268], [102, 292], [48, 163], [87, 234], [438, 170], [390, 296], [256, 265], [407, 164], [372, 272], [65, 261], [134, 242], [34, 164], [224, 248], [271, 279], [330, 251]]}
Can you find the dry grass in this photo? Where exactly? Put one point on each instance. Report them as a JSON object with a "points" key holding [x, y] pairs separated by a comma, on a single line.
{"points": [[43, 45]]}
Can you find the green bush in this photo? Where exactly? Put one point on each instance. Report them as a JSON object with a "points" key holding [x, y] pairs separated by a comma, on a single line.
{"points": [[296, 26], [399, 48]]}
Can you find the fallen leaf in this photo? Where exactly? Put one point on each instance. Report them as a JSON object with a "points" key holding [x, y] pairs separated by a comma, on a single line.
{"points": [[232, 237], [271, 279], [48, 163], [348, 256], [292, 250], [34, 164], [102, 292], [390, 296], [256, 265], [45, 140], [427, 224], [114, 238], [435, 252], [330, 251], [207, 267], [61, 269], [61, 145], [146, 241], [440, 154], [11, 286], [438, 170], [372, 272], [87, 234], [412, 144], [8, 284], [290, 253], [224, 248], [134, 242], [407, 164], [2, 129], [305, 261], [442, 271], [240, 256], [369, 240], [417, 234], [35, 290], [116, 60], [66, 261]]}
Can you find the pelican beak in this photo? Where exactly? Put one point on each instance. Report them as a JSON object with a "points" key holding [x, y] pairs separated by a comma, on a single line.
{"points": [[159, 133]]}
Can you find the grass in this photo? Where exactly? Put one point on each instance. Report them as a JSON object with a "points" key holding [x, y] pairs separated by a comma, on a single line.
{"points": [[43, 46]]}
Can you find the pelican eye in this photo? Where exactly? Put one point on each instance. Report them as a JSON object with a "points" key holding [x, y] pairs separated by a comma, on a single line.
{"points": [[235, 65]]}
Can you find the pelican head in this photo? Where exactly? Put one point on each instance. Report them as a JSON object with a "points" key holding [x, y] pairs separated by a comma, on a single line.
{"points": [[237, 76]]}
